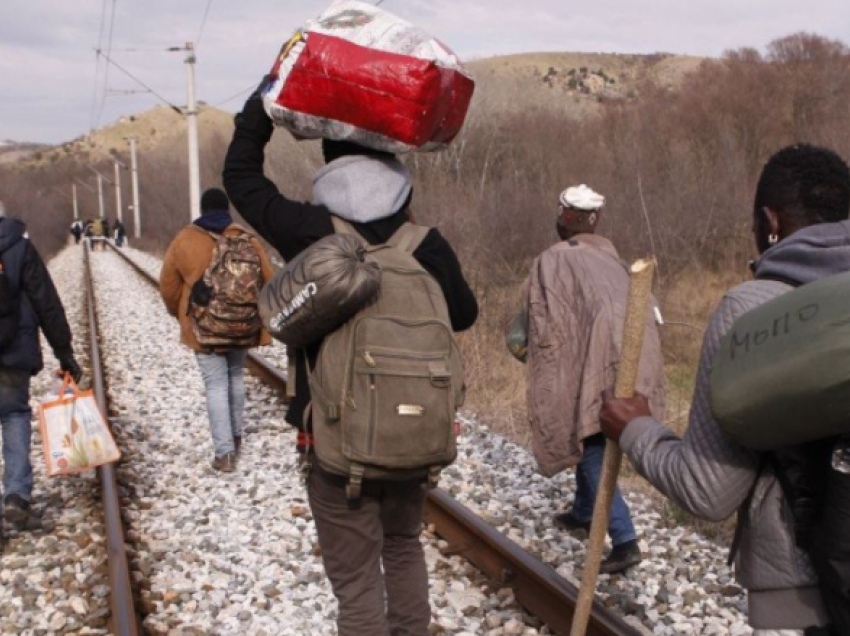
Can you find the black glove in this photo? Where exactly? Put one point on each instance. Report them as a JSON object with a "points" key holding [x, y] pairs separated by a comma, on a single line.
{"points": [[69, 365], [253, 115]]}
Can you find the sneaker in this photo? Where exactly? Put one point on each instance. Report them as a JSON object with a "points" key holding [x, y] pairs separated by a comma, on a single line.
{"points": [[16, 509], [225, 463], [566, 521], [621, 558], [237, 443]]}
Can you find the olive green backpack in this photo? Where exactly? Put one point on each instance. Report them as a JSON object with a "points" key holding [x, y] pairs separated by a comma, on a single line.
{"points": [[388, 383]]}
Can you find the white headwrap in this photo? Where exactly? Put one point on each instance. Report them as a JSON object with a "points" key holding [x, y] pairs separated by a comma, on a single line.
{"points": [[582, 198]]}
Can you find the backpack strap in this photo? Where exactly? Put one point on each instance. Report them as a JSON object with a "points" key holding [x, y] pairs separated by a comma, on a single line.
{"points": [[409, 237]]}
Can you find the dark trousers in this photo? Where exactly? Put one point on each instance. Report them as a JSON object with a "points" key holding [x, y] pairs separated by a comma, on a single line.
{"points": [[373, 556]]}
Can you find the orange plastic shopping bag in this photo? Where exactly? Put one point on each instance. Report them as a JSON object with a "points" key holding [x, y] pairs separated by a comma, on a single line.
{"points": [[74, 433]]}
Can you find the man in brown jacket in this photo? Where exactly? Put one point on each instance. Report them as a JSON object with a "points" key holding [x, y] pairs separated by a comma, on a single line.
{"points": [[576, 298], [222, 367]]}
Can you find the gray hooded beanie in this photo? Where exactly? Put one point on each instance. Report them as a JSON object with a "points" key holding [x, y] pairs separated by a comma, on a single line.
{"points": [[362, 188]]}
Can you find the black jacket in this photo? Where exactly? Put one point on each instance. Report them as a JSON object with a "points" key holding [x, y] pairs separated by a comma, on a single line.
{"points": [[40, 306], [291, 227]]}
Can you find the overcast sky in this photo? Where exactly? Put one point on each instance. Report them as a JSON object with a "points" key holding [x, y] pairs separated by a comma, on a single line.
{"points": [[48, 69]]}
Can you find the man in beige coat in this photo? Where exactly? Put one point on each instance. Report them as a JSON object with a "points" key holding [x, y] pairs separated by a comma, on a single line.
{"points": [[222, 368], [576, 298]]}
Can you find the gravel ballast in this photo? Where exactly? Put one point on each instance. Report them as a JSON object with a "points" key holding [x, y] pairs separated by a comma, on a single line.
{"points": [[238, 554]]}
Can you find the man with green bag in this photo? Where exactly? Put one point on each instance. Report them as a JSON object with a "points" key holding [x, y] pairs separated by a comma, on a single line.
{"points": [[792, 545]]}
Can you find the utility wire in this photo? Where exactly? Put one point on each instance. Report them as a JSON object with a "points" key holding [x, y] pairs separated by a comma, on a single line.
{"points": [[234, 96], [141, 83], [203, 24], [95, 90], [106, 70]]}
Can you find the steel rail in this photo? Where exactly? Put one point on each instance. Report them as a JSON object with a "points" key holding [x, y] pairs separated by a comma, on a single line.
{"points": [[536, 586], [124, 618]]}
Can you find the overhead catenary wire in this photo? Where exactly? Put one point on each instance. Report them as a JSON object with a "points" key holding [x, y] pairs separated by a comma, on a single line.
{"points": [[235, 96], [95, 88], [142, 84], [203, 24], [106, 69]]}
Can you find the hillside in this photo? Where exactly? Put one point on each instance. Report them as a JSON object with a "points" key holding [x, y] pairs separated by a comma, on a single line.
{"points": [[12, 151], [575, 82], [155, 128]]}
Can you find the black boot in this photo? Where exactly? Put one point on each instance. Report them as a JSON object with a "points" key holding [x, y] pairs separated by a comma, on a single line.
{"points": [[622, 557], [566, 521], [16, 509]]}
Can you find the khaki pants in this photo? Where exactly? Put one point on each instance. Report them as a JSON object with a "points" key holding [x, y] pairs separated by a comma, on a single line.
{"points": [[373, 556]]}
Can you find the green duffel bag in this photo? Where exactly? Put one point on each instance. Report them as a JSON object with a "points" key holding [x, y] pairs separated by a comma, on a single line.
{"points": [[782, 375]]}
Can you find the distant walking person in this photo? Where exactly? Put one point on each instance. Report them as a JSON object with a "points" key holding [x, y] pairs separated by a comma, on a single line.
{"points": [[575, 300], [120, 234], [28, 302], [216, 304], [77, 231]]}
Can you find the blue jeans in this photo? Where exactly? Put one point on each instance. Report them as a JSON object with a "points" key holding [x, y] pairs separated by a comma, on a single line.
{"points": [[224, 379], [16, 422], [620, 526]]}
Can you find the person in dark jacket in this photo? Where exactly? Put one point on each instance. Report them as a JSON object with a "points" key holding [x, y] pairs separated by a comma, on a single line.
{"points": [[374, 552], [120, 233], [39, 307]]}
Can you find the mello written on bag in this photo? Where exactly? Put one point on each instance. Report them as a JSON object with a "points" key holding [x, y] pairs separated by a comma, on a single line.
{"points": [[388, 383], [782, 374], [75, 436], [223, 303]]}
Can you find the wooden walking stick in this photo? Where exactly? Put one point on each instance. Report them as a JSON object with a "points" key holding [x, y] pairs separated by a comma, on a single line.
{"points": [[640, 294]]}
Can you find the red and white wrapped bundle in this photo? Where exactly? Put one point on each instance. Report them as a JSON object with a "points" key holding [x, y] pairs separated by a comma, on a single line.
{"points": [[361, 74]]}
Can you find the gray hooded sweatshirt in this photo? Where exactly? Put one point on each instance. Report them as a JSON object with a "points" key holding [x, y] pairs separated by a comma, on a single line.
{"points": [[710, 476], [362, 188]]}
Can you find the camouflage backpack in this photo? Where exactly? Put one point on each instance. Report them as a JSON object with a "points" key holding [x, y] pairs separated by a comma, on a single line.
{"points": [[223, 303], [388, 383]]}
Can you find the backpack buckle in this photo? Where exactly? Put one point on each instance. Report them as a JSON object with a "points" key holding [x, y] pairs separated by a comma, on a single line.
{"points": [[441, 377], [434, 473], [354, 487], [333, 413]]}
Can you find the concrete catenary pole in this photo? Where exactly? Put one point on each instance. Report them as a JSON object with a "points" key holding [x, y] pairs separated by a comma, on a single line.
{"points": [[118, 205], [192, 121], [100, 179], [134, 171], [76, 206], [100, 195]]}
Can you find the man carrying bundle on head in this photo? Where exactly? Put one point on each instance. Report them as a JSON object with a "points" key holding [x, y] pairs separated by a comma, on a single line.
{"points": [[574, 303], [387, 375]]}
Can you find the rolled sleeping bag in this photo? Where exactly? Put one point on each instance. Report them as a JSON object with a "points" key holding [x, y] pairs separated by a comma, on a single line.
{"points": [[319, 290], [782, 374]]}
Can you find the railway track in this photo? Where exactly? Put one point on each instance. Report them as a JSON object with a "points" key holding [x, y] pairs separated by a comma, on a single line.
{"points": [[536, 586], [124, 619]]}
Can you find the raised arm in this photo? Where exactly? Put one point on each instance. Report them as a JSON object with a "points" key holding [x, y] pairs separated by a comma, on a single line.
{"points": [[705, 472], [287, 225]]}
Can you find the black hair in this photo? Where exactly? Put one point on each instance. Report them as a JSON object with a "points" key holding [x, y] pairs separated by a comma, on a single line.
{"points": [[333, 150], [214, 200], [805, 183]]}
